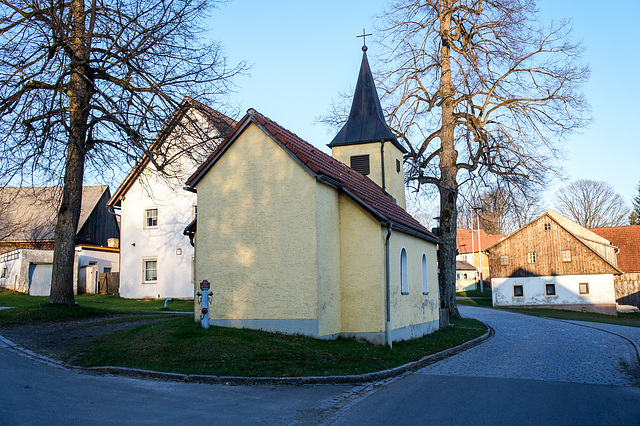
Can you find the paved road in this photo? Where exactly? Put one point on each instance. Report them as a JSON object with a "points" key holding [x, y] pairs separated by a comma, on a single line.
{"points": [[533, 371]]}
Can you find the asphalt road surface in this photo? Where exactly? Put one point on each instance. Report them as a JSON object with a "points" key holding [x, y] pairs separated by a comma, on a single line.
{"points": [[533, 371]]}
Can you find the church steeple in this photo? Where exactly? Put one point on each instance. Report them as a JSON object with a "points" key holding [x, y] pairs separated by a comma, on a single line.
{"points": [[362, 141]]}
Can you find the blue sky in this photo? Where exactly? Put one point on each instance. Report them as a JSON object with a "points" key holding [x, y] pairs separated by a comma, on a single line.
{"points": [[304, 54]]}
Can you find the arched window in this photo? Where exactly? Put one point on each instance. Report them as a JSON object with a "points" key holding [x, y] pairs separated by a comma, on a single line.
{"points": [[404, 272], [425, 282]]}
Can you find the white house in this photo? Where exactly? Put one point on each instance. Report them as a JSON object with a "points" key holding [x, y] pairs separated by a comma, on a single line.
{"points": [[553, 262], [156, 259]]}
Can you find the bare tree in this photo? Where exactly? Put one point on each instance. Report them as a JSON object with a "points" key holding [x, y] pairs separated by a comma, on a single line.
{"points": [[634, 217], [502, 209], [592, 204], [88, 85], [478, 89]]}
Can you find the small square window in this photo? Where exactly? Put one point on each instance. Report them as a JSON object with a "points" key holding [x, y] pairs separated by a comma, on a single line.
{"points": [[465, 276], [547, 226], [151, 218], [550, 289], [4, 273], [457, 276], [504, 260], [150, 270], [566, 255], [518, 290], [584, 288], [531, 257]]}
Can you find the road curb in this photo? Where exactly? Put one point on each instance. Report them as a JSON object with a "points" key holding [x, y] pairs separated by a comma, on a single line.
{"points": [[235, 380]]}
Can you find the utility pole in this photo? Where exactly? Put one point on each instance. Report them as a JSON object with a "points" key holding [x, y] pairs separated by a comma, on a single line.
{"points": [[476, 209]]}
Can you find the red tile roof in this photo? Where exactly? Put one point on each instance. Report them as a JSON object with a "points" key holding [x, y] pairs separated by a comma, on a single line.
{"points": [[325, 168], [627, 239], [464, 240]]}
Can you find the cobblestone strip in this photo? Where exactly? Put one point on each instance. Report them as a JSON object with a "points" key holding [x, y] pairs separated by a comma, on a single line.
{"points": [[527, 347]]}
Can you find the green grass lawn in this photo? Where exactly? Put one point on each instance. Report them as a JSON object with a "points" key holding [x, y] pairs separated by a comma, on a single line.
{"points": [[182, 346], [35, 309], [632, 320], [476, 293]]}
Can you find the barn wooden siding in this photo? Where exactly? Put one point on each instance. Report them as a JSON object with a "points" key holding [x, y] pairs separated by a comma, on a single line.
{"points": [[627, 288], [547, 243]]}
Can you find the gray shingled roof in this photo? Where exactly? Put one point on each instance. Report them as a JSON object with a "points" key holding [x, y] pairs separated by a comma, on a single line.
{"points": [[366, 122], [29, 213]]}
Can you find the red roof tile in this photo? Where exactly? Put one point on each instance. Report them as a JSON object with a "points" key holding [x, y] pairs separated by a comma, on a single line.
{"points": [[465, 244], [627, 239], [360, 188]]}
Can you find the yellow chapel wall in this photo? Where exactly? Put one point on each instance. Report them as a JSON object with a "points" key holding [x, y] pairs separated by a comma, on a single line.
{"points": [[362, 270], [328, 254], [394, 180], [414, 308], [256, 242]]}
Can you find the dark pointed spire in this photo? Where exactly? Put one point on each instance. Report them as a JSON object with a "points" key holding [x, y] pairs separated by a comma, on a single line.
{"points": [[366, 121]]}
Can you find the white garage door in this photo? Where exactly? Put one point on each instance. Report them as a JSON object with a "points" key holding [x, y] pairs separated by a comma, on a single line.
{"points": [[40, 279]]}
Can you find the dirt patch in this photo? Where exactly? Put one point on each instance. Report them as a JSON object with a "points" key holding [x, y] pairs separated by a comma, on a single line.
{"points": [[63, 340]]}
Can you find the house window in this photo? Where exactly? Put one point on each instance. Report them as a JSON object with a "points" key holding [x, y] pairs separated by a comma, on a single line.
{"points": [[457, 276], [360, 163], [398, 166], [106, 270], [425, 275], [504, 260], [465, 276], [404, 272], [547, 226], [531, 257], [150, 218], [550, 289], [566, 255], [584, 288], [4, 273], [518, 290], [150, 270]]}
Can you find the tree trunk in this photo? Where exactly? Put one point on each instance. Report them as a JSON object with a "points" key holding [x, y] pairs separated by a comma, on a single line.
{"points": [[79, 95], [448, 186]]}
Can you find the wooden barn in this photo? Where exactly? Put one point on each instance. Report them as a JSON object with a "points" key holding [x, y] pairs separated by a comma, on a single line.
{"points": [[627, 240], [553, 262]]}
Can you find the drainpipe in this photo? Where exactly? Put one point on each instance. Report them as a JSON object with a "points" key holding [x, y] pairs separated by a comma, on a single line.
{"points": [[388, 287], [384, 185]]}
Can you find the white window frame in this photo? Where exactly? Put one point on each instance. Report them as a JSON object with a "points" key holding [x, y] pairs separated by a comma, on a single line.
{"points": [[504, 260], [531, 257], [425, 275], [404, 272], [144, 270], [146, 218], [566, 255]]}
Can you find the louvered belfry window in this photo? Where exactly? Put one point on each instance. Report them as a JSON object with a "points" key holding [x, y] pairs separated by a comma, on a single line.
{"points": [[360, 163]]}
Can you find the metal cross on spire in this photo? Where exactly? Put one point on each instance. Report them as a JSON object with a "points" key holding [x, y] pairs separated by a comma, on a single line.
{"points": [[364, 40]]}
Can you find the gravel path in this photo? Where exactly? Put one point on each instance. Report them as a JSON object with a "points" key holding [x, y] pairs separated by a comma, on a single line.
{"points": [[527, 347]]}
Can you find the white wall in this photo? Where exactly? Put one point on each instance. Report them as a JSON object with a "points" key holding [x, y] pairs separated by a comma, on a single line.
{"points": [[103, 259], [601, 290], [175, 212], [17, 264]]}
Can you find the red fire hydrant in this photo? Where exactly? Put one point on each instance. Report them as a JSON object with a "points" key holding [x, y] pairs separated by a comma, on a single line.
{"points": [[205, 295]]}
